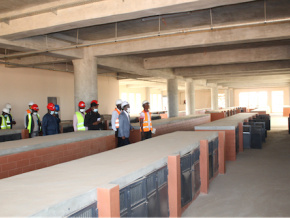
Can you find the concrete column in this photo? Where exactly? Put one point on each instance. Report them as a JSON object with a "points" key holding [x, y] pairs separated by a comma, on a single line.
{"points": [[289, 96], [147, 93], [85, 80], [172, 92], [190, 97], [231, 98], [214, 98], [227, 98]]}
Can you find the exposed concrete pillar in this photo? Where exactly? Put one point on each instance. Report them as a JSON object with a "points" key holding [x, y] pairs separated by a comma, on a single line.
{"points": [[147, 94], [289, 95], [227, 98], [172, 92], [85, 79], [190, 97], [231, 98], [214, 98]]}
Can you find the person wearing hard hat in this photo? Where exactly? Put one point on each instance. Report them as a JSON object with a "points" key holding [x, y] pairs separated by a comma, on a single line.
{"points": [[93, 119], [3, 117], [79, 118], [145, 121], [28, 111], [33, 122], [115, 119], [56, 114], [9, 119], [124, 124], [49, 122]]}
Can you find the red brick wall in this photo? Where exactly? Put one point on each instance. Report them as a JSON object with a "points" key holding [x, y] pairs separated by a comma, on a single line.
{"points": [[23, 162], [217, 116]]}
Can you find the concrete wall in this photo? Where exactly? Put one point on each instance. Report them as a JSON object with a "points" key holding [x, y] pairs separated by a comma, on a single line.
{"points": [[19, 86], [269, 94], [202, 99]]}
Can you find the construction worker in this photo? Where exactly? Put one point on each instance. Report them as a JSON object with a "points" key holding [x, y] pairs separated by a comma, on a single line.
{"points": [[79, 118], [125, 126], [9, 119], [145, 121], [3, 117], [115, 120], [49, 122], [56, 114], [28, 111], [93, 119], [33, 122]]}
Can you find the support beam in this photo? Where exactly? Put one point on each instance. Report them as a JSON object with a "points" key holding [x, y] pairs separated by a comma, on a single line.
{"points": [[85, 79], [214, 98], [232, 98], [242, 55], [38, 60], [227, 98], [190, 97], [172, 93]]}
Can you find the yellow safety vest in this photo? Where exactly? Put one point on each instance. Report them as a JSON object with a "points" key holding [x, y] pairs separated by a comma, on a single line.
{"points": [[8, 122], [30, 121], [80, 125], [117, 120], [3, 123], [147, 124]]}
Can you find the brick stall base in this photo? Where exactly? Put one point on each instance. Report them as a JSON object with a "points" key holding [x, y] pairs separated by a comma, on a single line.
{"points": [[217, 116], [23, 162]]}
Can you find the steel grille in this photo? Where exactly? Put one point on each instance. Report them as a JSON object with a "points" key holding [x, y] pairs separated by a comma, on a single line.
{"points": [[89, 211]]}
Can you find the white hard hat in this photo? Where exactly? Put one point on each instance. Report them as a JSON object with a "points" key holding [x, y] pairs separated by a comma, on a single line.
{"points": [[6, 110], [119, 101], [145, 102], [124, 103], [8, 106], [31, 103]]}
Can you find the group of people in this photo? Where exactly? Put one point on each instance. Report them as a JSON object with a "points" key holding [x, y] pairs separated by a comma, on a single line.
{"points": [[82, 120]]}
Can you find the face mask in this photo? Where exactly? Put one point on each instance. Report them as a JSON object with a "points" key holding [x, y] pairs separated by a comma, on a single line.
{"points": [[95, 110], [56, 112], [51, 112], [82, 110], [128, 110], [5, 115], [34, 112]]}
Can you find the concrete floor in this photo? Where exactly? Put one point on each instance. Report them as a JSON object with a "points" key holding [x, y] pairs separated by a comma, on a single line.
{"points": [[257, 184]]}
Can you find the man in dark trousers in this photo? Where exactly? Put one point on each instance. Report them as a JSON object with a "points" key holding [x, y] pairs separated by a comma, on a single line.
{"points": [[93, 119], [56, 114], [124, 124], [49, 122]]}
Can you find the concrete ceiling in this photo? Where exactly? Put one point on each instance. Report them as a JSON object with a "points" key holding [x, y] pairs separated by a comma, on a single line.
{"points": [[236, 44]]}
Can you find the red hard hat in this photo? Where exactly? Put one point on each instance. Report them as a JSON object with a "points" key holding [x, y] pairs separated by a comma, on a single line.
{"points": [[94, 101], [82, 104], [34, 107], [51, 107]]}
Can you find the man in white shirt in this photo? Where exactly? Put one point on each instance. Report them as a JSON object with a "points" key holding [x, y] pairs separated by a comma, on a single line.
{"points": [[115, 119], [124, 124]]}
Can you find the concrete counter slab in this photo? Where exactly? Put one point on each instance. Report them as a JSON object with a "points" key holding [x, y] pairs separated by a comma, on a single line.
{"points": [[10, 131], [13, 147], [53, 191]]}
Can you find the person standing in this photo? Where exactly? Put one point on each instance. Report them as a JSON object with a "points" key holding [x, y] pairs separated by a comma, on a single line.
{"points": [[33, 122], [115, 119], [3, 117], [145, 121], [49, 122], [79, 118], [124, 124], [28, 111], [9, 119], [56, 114], [93, 119]]}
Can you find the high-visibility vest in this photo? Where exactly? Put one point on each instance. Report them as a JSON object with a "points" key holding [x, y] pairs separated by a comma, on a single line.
{"points": [[81, 120], [3, 123], [117, 120], [147, 124], [30, 121], [8, 122]]}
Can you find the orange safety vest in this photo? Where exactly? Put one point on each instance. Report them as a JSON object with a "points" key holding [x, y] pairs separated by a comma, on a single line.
{"points": [[117, 120], [147, 124]]}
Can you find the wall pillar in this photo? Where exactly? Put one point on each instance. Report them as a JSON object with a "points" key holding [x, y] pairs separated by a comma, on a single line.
{"points": [[85, 79], [147, 94], [231, 98], [109, 200], [227, 98], [214, 98], [190, 97], [172, 92]]}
